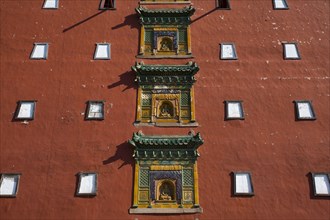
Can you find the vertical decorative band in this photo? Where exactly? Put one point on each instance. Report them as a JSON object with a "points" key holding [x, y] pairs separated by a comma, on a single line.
{"points": [[142, 41], [136, 185], [192, 104], [188, 40], [139, 107], [196, 185]]}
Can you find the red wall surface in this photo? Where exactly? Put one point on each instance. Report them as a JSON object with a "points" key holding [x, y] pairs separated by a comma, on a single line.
{"points": [[277, 150]]}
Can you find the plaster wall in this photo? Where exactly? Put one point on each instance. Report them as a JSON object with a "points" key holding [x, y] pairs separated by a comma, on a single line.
{"points": [[277, 150]]}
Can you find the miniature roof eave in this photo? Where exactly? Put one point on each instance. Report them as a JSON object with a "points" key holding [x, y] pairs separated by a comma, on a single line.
{"points": [[139, 140], [166, 12], [190, 68]]}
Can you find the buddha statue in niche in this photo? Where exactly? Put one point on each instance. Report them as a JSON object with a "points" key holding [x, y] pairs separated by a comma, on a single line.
{"points": [[165, 191], [165, 44], [166, 110]]}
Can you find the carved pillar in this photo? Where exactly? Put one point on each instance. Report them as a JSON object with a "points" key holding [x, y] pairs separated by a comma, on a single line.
{"points": [[192, 105], [142, 41], [188, 40], [196, 203], [139, 107], [136, 185]]}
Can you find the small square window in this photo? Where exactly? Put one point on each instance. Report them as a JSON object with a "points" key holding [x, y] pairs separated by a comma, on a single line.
{"points": [[95, 110], [102, 51], [290, 51], [234, 110], [228, 51], [243, 184], [40, 51], [50, 4], [87, 185], [223, 4], [280, 4], [107, 5], [9, 184], [25, 110], [321, 184], [304, 110]]}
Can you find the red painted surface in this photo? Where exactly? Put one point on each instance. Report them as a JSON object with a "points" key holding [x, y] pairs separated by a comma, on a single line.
{"points": [[276, 149]]}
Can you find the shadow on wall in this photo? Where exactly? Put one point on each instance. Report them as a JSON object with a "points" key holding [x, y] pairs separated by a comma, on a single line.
{"points": [[131, 20], [83, 21], [202, 16], [124, 153], [126, 79]]}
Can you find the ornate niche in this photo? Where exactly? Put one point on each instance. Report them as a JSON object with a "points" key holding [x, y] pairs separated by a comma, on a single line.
{"points": [[166, 177], [165, 94], [165, 33]]}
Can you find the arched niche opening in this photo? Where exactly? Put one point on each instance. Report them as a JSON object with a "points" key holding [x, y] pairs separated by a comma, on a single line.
{"points": [[165, 44], [166, 190], [166, 110]]}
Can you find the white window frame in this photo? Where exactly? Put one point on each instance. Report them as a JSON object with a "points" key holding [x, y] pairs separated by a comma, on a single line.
{"points": [[249, 191], [223, 57], [327, 184], [298, 110], [285, 52], [97, 47], [19, 107], [45, 52], [82, 180], [88, 110], [276, 7], [227, 110], [45, 6], [16, 177]]}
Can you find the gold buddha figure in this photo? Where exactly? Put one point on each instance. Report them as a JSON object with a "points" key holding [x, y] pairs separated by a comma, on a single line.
{"points": [[165, 192]]}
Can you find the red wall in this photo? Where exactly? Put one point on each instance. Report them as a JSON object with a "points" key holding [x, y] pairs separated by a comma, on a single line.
{"points": [[276, 149]]}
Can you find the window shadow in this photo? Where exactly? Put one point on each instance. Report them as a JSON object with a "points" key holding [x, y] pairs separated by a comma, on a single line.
{"points": [[83, 21], [123, 153], [131, 20], [126, 79], [232, 187], [202, 16]]}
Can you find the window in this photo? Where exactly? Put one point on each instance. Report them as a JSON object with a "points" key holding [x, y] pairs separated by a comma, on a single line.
{"points": [[223, 4], [40, 51], [95, 110], [290, 51], [280, 4], [234, 110], [304, 110], [102, 51], [50, 4], [9, 184], [107, 5], [228, 51], [87, 184], [25, 110], [321, 184], [243, 184]]}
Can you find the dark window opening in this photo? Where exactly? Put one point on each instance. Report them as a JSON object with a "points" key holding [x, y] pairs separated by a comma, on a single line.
{"points": [[108, 4], [223, 4]]}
